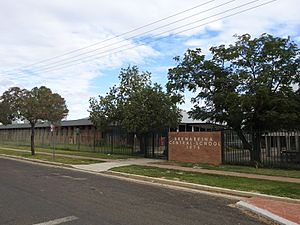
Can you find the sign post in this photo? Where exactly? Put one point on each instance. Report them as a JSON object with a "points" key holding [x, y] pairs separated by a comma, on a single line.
{"points": [[78, 138], [52, 129]]}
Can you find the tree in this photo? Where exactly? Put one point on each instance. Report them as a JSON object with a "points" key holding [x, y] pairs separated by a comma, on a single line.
{"points": [[252, 84], [38, 104], [10, 105], [136, 105]]}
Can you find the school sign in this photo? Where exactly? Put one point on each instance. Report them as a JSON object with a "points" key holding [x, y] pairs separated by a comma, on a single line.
{"points": [[195, 147]]}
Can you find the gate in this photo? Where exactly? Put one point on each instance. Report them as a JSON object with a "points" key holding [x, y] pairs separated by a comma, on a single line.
{"points": [[118, 141], [157, 145]]}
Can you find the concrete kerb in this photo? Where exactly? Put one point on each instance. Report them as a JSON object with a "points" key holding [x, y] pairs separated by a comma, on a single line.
{"points": [[264, 213]]}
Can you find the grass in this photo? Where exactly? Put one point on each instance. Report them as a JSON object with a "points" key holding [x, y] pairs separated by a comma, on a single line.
{"points": [[48, 158], [241, 169], [88, 148], [68, 152], [284, 189]]}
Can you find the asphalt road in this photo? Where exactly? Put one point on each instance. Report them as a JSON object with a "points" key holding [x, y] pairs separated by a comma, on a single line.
{"points": [[36, 194]]}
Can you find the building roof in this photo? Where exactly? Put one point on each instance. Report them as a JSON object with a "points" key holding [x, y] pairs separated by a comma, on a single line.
{"points": [[187, 120], [85, 121], [65, 123]]}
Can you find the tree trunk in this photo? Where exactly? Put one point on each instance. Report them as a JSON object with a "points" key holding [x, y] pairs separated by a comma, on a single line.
{"points": [[254, 148], [246, 144], [256, 152], [32, 138], [143, 148]]}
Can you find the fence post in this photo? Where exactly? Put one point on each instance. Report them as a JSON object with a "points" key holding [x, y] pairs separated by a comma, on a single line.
{"points": [[145, 145], [112, 141], [133, 145], [94, 140], [153, 144], [222, 147], [296, 134], [167, 146]]}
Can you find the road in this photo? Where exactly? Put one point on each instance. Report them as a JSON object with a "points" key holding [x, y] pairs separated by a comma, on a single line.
{"points": [[36, 194]]}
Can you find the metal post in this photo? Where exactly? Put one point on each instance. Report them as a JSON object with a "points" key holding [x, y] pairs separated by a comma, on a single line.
{"points": [[267, 145], [222, 147], [134, 141], [153, 144], [278, 144], [297, 141], [112, 141], [94, 144], [167, 145], [52, 128], [78, 138], [287, 138], [54, 143]]}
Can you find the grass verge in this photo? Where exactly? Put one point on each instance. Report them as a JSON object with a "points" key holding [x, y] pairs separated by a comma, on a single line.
{"points": [[48, 158], [241, 169], [69, 152], [291, 190]]}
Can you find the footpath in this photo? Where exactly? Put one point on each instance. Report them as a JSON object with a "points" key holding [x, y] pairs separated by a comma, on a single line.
{"points": [[281, 210]]}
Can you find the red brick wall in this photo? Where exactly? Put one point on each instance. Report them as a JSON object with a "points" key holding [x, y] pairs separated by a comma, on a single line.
{"points": [[195, 147]]}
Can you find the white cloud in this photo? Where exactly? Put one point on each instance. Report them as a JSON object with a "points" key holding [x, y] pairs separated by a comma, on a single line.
{"points": [[34, 30], [297, 39], [279, 18]]}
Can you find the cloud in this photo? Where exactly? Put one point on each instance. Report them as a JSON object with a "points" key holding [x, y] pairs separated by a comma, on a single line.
{"points": [[41, 30], [36, 30], [277, 18]]}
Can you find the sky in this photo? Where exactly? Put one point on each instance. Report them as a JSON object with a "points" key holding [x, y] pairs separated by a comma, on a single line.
{"points": [[77, 47]]}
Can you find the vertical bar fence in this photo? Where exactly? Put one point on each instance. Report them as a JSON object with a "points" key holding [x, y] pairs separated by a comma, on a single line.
{"points": [[273, 149]]}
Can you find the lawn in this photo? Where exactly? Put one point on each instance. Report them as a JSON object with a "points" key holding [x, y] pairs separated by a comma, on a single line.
{"points": [[241, 169], [48, 158], [291, 190], [68, 152]]}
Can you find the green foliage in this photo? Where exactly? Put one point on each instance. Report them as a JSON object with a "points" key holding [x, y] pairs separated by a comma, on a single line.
{"points": [[42, 104], [136, 104], [251, 84], [38, 104], [10, 104]]}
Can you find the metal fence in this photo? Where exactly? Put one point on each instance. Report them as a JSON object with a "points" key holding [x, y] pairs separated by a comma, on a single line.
{"points": [[118, 141], [113, 141], [273, 149]]}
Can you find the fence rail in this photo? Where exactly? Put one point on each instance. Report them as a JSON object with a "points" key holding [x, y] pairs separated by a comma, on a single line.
{"points": [[274, 149], [113, 141]]}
